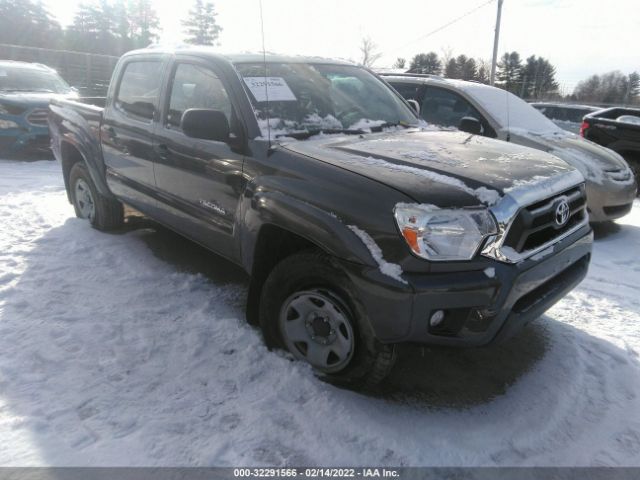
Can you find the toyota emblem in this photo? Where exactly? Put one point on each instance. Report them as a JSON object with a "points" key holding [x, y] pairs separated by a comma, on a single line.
{"points": [[562, 213]]}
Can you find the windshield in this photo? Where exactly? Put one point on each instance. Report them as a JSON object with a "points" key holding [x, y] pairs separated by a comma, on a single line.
{"points": [[511, 111], [316, 98], [20, 79]]}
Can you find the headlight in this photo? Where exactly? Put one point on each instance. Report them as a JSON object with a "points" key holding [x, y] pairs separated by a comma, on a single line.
{"points": [[444, 234], [4, 124]]}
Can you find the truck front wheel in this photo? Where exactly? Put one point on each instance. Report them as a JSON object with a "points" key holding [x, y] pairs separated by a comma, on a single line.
{"points": [[307, 307], [103, 213]]}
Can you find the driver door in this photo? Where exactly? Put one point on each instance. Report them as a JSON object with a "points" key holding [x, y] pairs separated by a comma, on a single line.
{"points": [[198, 180]]}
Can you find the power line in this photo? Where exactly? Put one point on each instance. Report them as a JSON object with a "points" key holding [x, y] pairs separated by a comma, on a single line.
{"points": [[433, 32]]}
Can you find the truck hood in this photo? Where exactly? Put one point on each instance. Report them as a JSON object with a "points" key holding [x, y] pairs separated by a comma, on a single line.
{"points": [[445, 168], [591, 159]]}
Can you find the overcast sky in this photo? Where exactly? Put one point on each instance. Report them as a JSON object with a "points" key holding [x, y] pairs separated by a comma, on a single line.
{"points": [[579, 37]]}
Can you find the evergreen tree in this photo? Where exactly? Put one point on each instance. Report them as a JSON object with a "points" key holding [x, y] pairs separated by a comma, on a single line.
{"points": [[201, 27], [426, 63], [83, 34], [122, 27], [451, 69], [509, 72], [145, 25], [537, 78], [467, 69], [28, 22]]}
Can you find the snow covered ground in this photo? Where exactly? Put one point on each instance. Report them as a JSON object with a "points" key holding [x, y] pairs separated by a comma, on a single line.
{"points": [[130, 349]]}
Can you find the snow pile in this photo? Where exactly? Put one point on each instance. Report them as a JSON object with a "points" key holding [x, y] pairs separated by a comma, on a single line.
{"points": [[392, 270], [484, 194], [366, 125], [113, 352]]}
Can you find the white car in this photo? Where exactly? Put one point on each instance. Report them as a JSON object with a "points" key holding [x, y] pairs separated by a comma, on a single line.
{"points": [[484, 110]]}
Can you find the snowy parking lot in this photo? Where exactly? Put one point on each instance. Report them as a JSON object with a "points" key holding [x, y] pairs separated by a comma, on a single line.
{"points": [[131, 349]]}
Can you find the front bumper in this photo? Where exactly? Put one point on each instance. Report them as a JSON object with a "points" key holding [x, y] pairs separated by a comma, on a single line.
{"points": [[479, 309], [24, 140], [610, 200]]}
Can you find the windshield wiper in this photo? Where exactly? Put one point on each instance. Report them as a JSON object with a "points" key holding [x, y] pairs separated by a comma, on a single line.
{"points": [[382, 126], [304, 134]]}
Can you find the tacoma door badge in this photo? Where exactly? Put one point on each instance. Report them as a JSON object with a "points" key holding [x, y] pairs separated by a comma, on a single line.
{"points": [[213, 206]]}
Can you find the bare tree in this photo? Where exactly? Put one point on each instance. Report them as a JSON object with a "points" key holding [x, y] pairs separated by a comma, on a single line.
{"points": [[369, 52], [447, 54]]}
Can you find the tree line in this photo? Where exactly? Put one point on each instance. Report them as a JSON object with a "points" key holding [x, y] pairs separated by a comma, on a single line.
{"points": [[533, 78], [109, 27]]}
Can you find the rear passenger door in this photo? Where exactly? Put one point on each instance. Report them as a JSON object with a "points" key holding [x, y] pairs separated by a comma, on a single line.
{"points": [[127, 130], [199, 181]]}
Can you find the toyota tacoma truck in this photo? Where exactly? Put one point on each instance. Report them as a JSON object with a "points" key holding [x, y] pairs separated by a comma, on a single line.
{"points": [[360, 226]]}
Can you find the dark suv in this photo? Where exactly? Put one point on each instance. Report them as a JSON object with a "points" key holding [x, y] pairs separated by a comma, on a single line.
{"points": [[360, 227]]}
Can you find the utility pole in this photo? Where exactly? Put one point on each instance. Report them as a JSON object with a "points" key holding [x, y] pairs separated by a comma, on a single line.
{"points": [[494, 60]]}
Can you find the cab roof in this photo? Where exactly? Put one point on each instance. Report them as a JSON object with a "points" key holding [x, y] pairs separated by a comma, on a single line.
{"points": [[245, 57]]}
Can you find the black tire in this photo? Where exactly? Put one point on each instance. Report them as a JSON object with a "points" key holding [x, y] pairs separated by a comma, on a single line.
{"points": [[370, 361], [108, 213]]}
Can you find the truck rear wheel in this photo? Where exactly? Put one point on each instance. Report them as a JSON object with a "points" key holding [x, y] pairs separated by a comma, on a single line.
{"points": [[103, 213], [307, 307]]}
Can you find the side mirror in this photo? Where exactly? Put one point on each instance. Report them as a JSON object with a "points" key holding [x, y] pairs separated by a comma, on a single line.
{"points": [[415, 105], [470, 125], [205, 124]]}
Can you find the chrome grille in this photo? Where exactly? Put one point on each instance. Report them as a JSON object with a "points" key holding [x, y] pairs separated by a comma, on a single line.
{"points": [[38, 117], [535, 226]]}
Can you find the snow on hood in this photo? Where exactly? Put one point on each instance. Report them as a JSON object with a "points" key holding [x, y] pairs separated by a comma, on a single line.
{"points": [[425, 165]]}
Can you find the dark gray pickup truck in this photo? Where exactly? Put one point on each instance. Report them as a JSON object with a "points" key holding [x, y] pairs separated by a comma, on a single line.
{"points": [[617, 128], [360, 226]]}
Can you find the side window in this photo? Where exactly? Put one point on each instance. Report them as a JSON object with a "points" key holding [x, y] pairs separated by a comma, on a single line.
{"points": [[410, 91], [446, 108], [194, 86], [139, 89]]}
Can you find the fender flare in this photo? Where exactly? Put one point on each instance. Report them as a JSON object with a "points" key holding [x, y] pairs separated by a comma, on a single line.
{"points": [[75, 132], [319, 227]]}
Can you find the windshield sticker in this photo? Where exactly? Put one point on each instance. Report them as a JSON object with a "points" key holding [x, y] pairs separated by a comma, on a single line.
{"points": [[277, 89]]}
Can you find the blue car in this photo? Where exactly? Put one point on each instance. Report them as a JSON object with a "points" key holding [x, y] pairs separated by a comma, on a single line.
{"points": [[25, 91]]}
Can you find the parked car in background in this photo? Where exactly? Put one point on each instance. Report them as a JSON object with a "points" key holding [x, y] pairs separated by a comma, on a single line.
{"points": [[566, 116], [359, 228], [25, 92], [618, 129], [492, 112]]}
